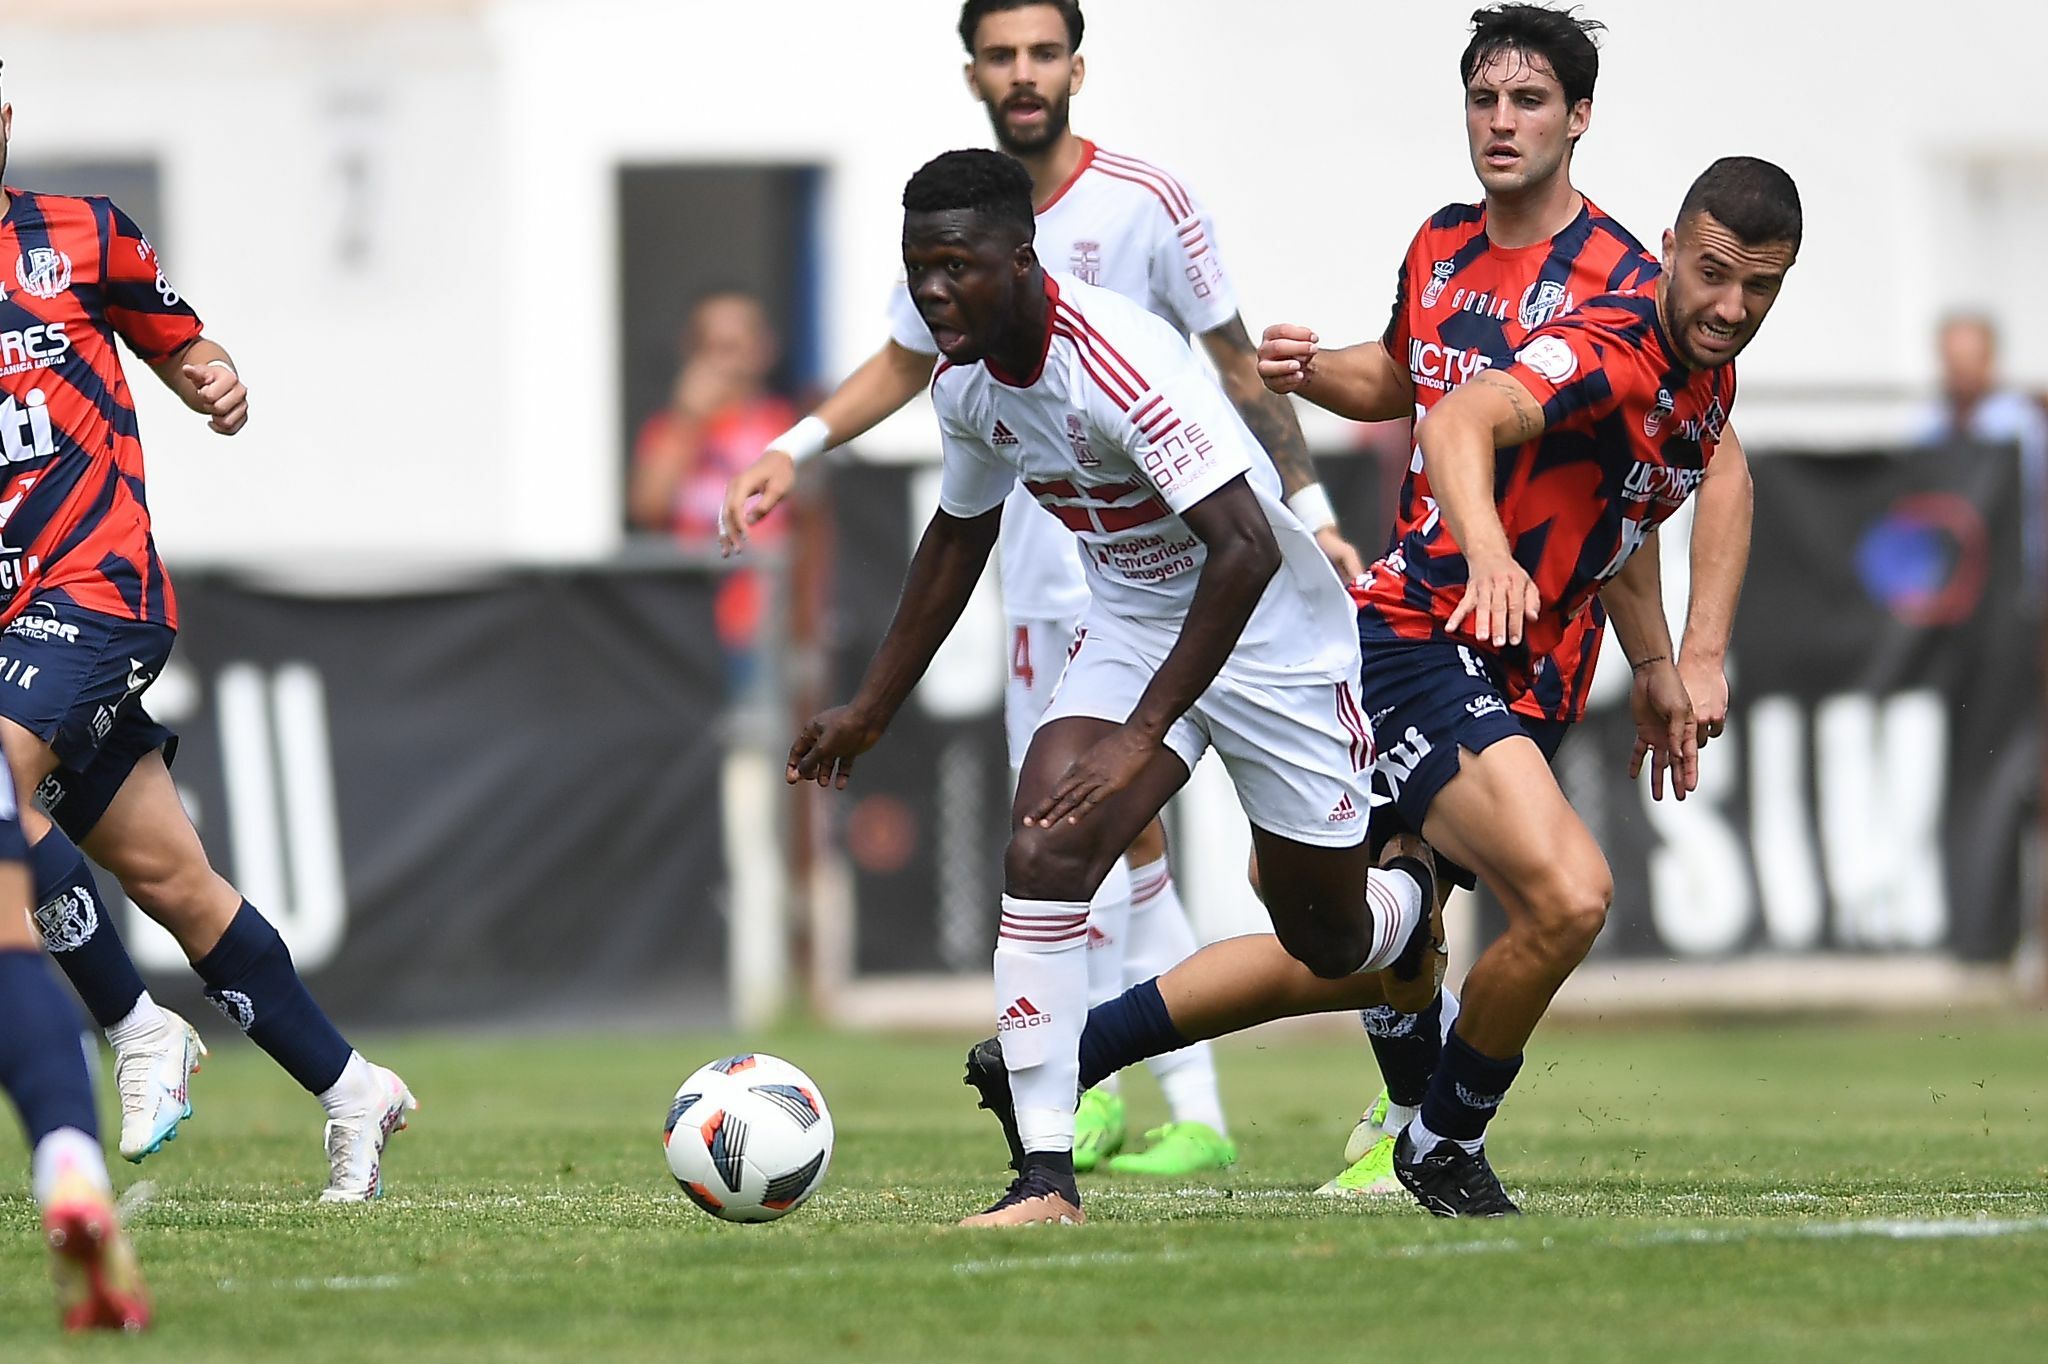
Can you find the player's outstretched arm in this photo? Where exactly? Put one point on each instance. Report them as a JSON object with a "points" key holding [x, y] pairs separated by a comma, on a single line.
{"points": [[1663, 712], [943, 572], [1242, 558], [1361, 382], [1271, 418], [888, 379], [1457, 439], [203, 376], [1720, 558]]}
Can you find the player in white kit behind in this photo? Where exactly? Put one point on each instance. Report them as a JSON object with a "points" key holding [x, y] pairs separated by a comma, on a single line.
{"points": [[1213, 621], [1125, 225]]}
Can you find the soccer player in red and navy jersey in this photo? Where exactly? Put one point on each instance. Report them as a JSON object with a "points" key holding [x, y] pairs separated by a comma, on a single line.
{"points": [[1550, 474], [87, 619], [1477, 279]]}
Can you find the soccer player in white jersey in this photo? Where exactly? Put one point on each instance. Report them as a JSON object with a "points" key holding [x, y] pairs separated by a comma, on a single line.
{"points": [[1213, 620], [1125, 225]]}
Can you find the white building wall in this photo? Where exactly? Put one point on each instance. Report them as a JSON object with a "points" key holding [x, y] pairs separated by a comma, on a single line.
{"points": [[454, 396]]}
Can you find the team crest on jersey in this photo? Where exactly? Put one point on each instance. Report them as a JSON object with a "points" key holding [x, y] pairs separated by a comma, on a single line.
{"points": [[44, 271], [1077, 440], [1086, 262], [1654, 418], [1439, 276], [1541, 301]]}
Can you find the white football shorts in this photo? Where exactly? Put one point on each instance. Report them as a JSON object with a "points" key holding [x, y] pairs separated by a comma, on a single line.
{"points": [[1299, 753]]}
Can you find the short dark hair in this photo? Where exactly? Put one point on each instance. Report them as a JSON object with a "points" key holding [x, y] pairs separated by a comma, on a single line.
{"points": [[1752, 198], [1562, 39], [993, 185], [974, 11]]}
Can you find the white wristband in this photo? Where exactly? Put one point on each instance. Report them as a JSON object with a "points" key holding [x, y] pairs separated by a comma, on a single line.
{"points": [[806, 440], [224, 365], [1312, 505]]}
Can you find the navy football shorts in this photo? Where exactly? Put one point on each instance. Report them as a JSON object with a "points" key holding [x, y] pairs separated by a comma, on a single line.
{"points": [[1427, 700], [75, 679], [13, 847]]}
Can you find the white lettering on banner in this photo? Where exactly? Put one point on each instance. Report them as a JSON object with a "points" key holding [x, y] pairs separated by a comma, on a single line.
{"points": [[1873, 848], [1882, 767], [1781, 826], [276, 763], [1700, 899]]}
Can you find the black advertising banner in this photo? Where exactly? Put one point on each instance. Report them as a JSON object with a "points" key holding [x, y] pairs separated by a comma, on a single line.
{"points": [[1878, 782], [491, 805]]}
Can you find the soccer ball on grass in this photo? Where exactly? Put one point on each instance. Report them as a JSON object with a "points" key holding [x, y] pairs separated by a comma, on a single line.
{"points": [[748, 1138]]}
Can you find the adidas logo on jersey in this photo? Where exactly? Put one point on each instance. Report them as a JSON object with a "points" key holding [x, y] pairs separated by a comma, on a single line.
{"points": [[1345, 810], [1022, 1013], [1002, 435]]}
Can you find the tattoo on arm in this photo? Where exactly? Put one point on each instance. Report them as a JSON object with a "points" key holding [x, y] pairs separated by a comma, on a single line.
{"points": [[1269, 415], [1526, 423]]}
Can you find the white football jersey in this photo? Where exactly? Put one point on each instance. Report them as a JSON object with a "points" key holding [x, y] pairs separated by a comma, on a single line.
{"points": [[1119, 431], [1131, 228]]}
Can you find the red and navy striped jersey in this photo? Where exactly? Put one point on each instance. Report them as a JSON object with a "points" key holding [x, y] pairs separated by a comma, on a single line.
{"points": [[1628, 433], [1463, 305], [74, 524]]}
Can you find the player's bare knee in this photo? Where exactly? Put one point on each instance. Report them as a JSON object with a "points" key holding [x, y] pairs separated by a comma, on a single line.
{"points": [[1330, 948], [1051, 864], [172, 893], [1570, 913]]}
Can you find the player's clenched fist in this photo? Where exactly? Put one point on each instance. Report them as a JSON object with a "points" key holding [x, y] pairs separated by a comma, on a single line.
{"points": [[825, 750], [222, 395], [1287, 357], [1499, 597]]}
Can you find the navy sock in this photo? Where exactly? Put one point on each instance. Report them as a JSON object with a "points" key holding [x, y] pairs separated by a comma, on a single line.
{"points": [[1467, 1089], [250, 977], [42, 1064], [1123, 1031], [1407, 1047], [78, 928]]}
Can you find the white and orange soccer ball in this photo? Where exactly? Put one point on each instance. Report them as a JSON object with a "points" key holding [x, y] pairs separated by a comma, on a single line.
{"points": [[749, 1138]]}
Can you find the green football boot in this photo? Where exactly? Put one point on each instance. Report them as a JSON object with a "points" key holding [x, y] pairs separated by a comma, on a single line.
{"points": [[1178, 1149], [1098, 1129], [1371, 1153]]}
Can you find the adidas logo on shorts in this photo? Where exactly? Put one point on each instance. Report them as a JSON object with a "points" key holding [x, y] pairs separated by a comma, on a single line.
{"points": [[1002, 435], [1345, 809]]}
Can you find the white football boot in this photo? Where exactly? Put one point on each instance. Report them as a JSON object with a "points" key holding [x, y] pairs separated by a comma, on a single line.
{"points": [[153, 1076], [355, 1141]]}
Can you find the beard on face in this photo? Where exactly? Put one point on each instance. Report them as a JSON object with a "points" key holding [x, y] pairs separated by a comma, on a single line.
{"points": [[1037, 140]]}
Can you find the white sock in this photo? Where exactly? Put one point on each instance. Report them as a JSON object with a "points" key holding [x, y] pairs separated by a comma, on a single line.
{"points": [[62, 1151], [1396, 904], [1041, 1008], [1398, 1117], [142, 1022], [1161, 938], [1450, 1011], [1109, 924], [353, 1092], [1426, 1141]]}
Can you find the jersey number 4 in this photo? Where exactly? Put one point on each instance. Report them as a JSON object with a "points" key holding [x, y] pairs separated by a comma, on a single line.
{"points": [[1020, 658]]}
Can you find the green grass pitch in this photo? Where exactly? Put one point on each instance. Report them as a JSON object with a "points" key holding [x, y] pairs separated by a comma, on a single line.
{"points": [[1848, 1190]]}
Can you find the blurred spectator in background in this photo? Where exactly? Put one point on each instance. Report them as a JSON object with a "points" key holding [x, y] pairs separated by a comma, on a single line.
{"points": [[721, 413], [1975, 405]]}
